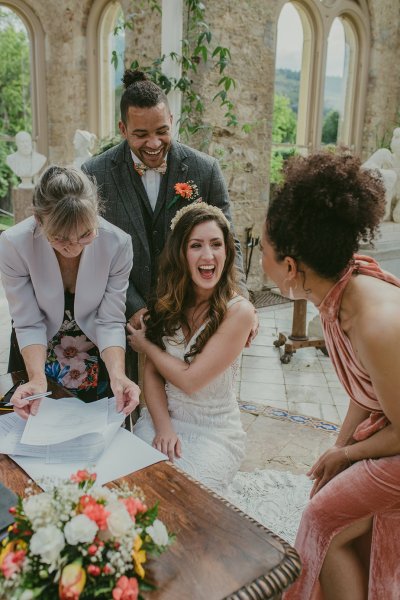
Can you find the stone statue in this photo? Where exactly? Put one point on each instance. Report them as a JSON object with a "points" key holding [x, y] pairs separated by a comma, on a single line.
{"points": [[83, 144], [25, 162], [382, 161], [388, 164], [395, 148]]}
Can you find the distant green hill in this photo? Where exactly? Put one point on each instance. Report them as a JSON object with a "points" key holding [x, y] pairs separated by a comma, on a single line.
{"points": [[287, 83]]}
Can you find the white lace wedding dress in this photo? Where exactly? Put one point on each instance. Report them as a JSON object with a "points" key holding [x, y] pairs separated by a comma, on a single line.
{"points": [[213, 446]]}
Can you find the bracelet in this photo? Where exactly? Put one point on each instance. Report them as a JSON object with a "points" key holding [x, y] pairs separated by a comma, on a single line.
{"points": [[346, 451]]}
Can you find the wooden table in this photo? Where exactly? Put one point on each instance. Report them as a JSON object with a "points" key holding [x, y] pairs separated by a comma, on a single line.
{"points": [[298, 337], [219, 552]]}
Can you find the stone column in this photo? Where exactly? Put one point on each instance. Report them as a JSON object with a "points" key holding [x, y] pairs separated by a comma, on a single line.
{"points": [[22, 202]]}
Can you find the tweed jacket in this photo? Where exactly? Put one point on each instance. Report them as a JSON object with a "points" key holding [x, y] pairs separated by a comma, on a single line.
{"points": [[32, 281], [126, 199]]}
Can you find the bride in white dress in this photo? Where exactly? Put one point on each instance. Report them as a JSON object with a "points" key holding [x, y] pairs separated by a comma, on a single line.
{"points": [[196, 331], [193, 338]]}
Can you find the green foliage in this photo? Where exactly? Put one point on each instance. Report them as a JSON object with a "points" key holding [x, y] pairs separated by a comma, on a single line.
{"points": [[330, 127], [284, 121], [196, 50], [15, 104], [278, 159]]}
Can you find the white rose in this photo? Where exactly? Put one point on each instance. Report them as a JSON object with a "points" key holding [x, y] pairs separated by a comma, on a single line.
{"points": [[80, 529], [119, 520], [38, 508], [26, 595], [47, 542], [158, 532]]}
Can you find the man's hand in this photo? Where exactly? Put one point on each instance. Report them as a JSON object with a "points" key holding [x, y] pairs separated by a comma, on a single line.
{"points": [[254, 330], [126, 393], [135, 319], [168, 443], [137, 336], [23, 408]]}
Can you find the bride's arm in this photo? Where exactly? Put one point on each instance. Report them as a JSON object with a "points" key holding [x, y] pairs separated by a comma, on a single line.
{"points": [[165, 439], [217, 355]]}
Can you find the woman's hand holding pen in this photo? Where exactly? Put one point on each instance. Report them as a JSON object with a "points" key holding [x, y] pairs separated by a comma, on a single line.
{"points": [[22, 405]]}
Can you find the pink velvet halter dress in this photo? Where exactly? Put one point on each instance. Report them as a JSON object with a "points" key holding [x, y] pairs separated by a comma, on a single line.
{"points": [[369, 488]]}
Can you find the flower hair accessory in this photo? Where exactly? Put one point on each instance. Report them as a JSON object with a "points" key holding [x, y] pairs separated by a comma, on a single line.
{"points": [[210, 209], [187, 191]]}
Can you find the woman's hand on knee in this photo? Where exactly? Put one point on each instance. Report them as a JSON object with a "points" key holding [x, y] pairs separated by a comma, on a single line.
{"points": [[168, 443], [329, 464]]}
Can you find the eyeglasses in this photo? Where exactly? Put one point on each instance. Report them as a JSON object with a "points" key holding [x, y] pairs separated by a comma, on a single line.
{"points": [[85, 240]]}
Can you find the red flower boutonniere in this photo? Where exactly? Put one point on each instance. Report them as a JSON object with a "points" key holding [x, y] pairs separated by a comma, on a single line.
{"points": [[187, 191]]}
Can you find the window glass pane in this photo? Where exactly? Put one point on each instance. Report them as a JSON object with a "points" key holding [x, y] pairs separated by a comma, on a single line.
{"points": [[335, 85], [112, 48], [15, 96], [289, 49]]}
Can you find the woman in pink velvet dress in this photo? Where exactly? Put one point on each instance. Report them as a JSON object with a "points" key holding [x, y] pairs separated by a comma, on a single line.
{"points": [[349, 536]]}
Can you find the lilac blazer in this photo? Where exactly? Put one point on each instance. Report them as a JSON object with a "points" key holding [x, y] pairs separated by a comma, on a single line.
{"points": [[33, 285]]}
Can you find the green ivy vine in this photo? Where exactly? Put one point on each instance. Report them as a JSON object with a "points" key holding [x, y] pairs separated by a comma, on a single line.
{"points": [[197, 50]]}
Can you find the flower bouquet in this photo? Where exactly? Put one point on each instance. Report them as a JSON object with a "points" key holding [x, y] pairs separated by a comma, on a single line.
{"points": [[77, 542]]}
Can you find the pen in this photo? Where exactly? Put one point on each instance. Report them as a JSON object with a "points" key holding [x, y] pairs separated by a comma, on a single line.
{"points": [[27, 399]]}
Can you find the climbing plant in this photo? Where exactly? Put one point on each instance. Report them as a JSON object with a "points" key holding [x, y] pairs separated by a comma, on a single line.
{"points": [[197, 49]]}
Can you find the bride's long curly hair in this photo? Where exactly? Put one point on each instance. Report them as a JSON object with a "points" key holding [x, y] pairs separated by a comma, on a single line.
{"points": [[174, 291]]}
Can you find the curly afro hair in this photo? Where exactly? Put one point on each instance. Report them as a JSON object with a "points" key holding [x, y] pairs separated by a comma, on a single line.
{"points": [[325, 207]]}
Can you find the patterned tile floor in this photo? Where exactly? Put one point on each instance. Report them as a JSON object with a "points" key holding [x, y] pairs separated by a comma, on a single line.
{"points": [[290, 412]]}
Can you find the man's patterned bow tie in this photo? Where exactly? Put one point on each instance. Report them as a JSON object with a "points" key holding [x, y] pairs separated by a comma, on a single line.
{"points": [[142, 168]]}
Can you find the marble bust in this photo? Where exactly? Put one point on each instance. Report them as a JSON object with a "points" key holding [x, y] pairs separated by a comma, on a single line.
{"points": [[83, 144], [383, 162], [25, 162]]}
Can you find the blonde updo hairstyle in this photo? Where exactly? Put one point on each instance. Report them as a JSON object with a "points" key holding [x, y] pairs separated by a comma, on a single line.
{"points": [[65, 202]]}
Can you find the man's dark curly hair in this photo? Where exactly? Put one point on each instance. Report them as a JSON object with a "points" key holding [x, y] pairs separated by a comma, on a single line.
{"points": [[139, 91], [325, 207]]}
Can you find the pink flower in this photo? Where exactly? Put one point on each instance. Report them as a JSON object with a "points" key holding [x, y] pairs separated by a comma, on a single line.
{"points": [[133, 506], [83, 475], [76, 374], [72, 347], [12, 563], [126, 589], [97, 513]]}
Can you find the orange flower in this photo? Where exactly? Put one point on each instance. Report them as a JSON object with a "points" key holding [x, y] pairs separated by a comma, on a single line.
{"points": [[72, 581], [83, 475], [133, 506], [183, 189], [126, 589]]}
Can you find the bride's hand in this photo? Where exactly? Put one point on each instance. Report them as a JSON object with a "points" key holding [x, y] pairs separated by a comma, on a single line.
{"points": [[137, 337], [168, 443]]}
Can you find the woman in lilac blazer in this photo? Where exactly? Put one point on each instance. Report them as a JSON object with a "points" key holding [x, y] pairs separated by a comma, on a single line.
{"points": [[65, 272]]}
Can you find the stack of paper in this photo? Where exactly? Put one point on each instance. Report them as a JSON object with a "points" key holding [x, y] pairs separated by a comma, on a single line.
{"points": [[63, 431], [68, 434]]}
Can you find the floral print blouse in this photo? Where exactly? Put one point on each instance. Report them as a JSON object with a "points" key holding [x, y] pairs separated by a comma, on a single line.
{"points": [[73, 360]]}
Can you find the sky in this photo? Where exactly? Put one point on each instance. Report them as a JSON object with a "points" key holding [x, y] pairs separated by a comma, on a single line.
{"points": [[290, 42]]}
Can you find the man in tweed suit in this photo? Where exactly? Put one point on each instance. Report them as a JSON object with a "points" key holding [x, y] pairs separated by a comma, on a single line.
{"points": [[137, 180]]}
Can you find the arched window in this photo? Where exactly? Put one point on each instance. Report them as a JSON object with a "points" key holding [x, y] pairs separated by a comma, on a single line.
{"points": [[106, 48], [30, 91], [334, 64]]}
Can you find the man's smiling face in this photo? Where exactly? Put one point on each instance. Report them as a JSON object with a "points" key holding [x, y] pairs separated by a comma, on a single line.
{"points": [[148, 133]]}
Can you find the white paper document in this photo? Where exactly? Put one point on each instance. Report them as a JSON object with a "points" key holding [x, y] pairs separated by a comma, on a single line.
{"points": [[126, 454], [65, 419], [87, 444]]}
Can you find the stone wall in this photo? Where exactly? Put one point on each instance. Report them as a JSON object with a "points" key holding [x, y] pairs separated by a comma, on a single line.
{"points": [[383, 97], [248, 29]]}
